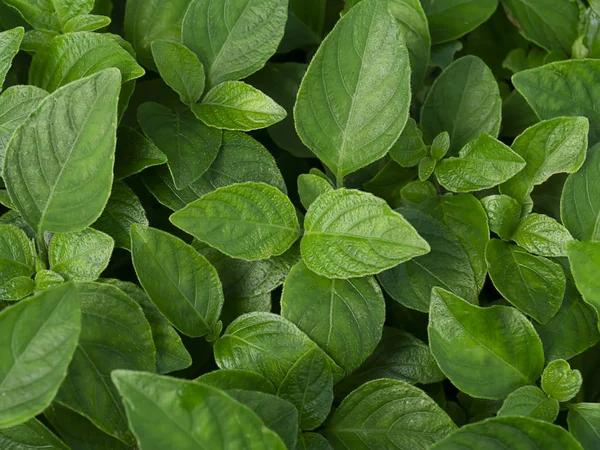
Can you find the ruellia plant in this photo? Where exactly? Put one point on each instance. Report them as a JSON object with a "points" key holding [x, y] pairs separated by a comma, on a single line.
{"points": [[300, 224]]}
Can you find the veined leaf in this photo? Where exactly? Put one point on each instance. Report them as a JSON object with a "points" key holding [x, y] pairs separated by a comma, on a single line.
{"points": [[530, 401], [561, 382], [503, 213], [310, 187], [542, 235], [584, 258], [9, 46], [409, 149], [228, 379], [584, 423], [86, 22], [38, 13], [17, 255], [30, 435]]}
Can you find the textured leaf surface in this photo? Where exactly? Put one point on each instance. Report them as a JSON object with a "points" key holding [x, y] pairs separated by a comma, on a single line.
{"points": [[409, 149], [228, 379], [561, 382], [310, 187], [584, 424], [30, 435], [17, 254], [9, 46], [530, 401], [584, 258], [542, 235], [503, 213]]}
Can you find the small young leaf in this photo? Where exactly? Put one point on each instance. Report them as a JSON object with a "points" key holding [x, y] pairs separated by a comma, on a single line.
{"points": [[418, 191], [530, 401], [542, 235], [17, 255], [9, 46], [426, 167], [584, 258], [135, 153], [503, 213], [560, 381], [228, 379], [87, 22], [409, 149], [45, 279], [441, 145], [310, 187], [30, 435], [584, 424]]}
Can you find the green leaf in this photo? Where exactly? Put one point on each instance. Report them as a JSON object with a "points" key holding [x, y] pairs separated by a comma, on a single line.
{"points": [[190, 146], [17, 288], [304, 26], [482, 164], [580, 201], [193, 416], [486, 352], [121, 212], [584, 424], [464, 101], [426, 167], [530, 401], [38, 337], [353, 102], [35, 40], [442, 55], [17, 255], [70, 57], [135, 153], [550, 147], [392, 414], [86, 22], [533, 284], [442, 16], [350, 233], [235, 41], [38, 13], [114, 335], [584, 258], [418, 191], [441, 145], [45, 279], [542, 235], [343, 317], [181, 282], [30, 435], [80, 256], [9, 46], [62, 184], [68, 9], [310, 187], [560, 381], [499, 433], [180, 68], [409, 149], [228, 379], [564, 88], [504, 214], [551, 24], [234, 105], [248, 221], [267, 344], [312, 441]]}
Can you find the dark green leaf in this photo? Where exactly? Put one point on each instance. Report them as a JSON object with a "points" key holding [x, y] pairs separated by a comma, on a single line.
{"points": [[134, 153], [530, 401], [228, 379], [584, 424], [30, 435]]}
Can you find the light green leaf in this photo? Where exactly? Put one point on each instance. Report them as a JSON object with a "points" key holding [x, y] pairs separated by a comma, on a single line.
{"points": [[418, 191], [392, 414], [233, 40], [17, 288], [409, 149], [193, 416], [550, 147], [114, 335], [503, 213], [530, 401], [584, 258], [68, 9], [70, 57], [486, 352], [62, 183], [353, 102], [45, 279], [38, 13], [190, 146], [584, 424], [350, 233], [343, 317], [560, 381], [499, 433], [580, 201], [30, 435], [464, 101], [426, 167], [37, 339], [228, 379], [482, 164], [234, 105], [180, 69], [35, 40], [181, 282], [248, 221], [441, 145], [135, 153], [17, 254], [9, 46], [86, 22], [542, 235], [310, 187]]}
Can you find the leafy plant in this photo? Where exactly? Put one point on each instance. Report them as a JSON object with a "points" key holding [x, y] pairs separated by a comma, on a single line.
{"points": [[299, 224]]}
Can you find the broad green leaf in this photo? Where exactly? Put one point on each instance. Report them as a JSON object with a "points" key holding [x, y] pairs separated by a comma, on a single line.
{"points": [[503, 213], [304, 26], [45, 279], [499, 433], [350, 233], [38, 13], [16, 104], [481, 164], [353, 102], [309, 387], [30, 435], [58, 165], [530, 401], [17, 255], [551, 24], [135, 153], [247, 221], [561, 382], [485, 352], [70, 57], [550, 147], [392, 414], [310, 187], [267, 344], [86, 22], [234, 105], [409, 149], [443, 17], [584, 424], [37, 339], [190, 146], [80, 256], [584, 258], [181, 282], [233, 40], [149, 20], [564, 88], [171, 354], [180, 69], [114, 335], [580, 201], [447, 265], [464, 101], [533, 284], [9, 46], [343, 317], [542, 235], [194, 415], [121, 212], [228, 379]]}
